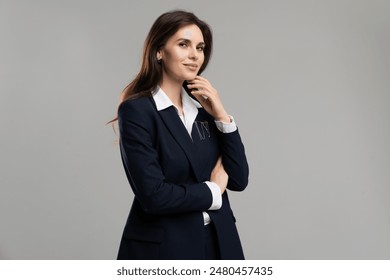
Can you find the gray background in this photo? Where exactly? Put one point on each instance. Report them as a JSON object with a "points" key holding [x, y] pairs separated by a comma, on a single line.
{"points": [[307, 82]]}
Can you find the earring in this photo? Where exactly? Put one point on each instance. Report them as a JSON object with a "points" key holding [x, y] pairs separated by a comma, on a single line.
{"points": [[159, 60]]}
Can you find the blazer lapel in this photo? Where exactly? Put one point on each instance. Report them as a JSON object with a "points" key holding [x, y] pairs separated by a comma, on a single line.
{"points": [[179, 132]]}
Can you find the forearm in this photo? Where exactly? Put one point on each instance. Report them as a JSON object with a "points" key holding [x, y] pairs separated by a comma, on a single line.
{"points": [[234, 160]]}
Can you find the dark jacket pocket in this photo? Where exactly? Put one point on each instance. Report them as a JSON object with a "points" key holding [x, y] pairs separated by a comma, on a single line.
{"points": [[144, 233]]}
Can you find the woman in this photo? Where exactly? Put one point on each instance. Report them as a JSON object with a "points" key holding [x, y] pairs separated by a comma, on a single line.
{"points": [[180, 150]]}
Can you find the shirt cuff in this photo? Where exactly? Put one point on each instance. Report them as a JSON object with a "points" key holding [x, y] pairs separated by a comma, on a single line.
{"points": [[216, 193], [226, 127]]}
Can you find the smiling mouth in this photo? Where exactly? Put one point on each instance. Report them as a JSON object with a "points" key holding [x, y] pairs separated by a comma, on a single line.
{"points": [[192, 66]]}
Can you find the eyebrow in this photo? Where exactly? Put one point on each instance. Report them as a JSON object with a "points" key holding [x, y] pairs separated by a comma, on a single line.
{"points": [[189, 41]]}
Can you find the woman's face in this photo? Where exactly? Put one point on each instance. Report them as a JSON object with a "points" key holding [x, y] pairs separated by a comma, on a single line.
{"points": [[182, 56]]}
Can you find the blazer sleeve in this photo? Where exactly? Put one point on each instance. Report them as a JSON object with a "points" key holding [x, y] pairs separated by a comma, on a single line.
{"points": [[234, 160], [140, 159]]}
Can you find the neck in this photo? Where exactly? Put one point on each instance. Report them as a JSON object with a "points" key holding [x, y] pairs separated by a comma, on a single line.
{"points": [[173, 91]]}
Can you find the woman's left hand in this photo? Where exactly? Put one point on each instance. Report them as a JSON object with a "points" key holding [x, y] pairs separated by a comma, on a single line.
{"points": [[208, 97]]}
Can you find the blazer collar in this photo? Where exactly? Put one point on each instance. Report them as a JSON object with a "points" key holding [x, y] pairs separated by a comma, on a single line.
{"points": [[170, 117], [190, 106]]}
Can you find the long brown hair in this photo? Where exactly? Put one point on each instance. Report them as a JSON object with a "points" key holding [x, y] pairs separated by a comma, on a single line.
{"points": [[164, 27]]}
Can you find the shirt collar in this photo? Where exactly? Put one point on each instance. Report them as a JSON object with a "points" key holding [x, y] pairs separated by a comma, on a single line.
{"points": [[162, 101], [190, 106]]}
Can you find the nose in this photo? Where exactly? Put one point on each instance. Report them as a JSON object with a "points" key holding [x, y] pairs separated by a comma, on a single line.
{"points": [[193, 54]]}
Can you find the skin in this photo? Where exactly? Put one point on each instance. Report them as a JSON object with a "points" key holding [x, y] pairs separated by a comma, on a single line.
{"points": [[182, 56]]}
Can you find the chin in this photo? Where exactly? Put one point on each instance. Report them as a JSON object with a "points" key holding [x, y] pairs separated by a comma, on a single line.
{"points": [[190, 77]]}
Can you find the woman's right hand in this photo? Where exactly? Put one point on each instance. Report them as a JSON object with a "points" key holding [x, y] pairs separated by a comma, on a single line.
{"points": [[219, 175]]}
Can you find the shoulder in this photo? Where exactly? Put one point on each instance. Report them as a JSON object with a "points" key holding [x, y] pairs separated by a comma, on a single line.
{"points": [[136, 108]]}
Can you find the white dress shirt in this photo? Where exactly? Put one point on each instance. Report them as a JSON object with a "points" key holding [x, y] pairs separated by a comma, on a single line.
{"points": [[190, 111]]}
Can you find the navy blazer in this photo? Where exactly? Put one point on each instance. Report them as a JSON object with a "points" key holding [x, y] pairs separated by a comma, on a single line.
{"points": [[166, 170]]}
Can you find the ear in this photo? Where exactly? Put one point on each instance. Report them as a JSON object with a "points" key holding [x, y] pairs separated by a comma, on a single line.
{"points": [[159, 55]]}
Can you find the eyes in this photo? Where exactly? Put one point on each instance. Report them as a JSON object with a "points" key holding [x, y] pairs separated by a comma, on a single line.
{"points": [[184, 45]]}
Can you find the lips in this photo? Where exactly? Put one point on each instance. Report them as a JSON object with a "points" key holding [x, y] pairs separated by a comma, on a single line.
{"points": [[192, 66]]}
